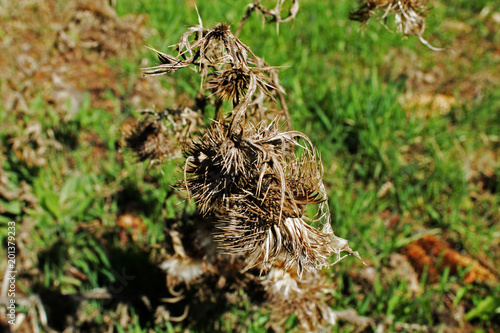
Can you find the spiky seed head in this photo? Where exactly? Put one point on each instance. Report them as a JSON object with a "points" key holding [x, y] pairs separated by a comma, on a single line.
{"points": [[230, 84], [256, 189], [220, 31]]}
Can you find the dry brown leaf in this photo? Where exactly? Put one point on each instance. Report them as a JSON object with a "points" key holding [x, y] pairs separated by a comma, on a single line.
{"points": [[425, 253]]}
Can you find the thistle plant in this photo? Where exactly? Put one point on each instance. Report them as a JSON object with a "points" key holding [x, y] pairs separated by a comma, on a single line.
{"points": [[255, 189], [246, 175], [158, 135], [256, 182]]}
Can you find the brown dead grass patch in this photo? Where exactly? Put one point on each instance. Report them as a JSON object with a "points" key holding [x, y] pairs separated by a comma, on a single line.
{"points": [[61, 50]]}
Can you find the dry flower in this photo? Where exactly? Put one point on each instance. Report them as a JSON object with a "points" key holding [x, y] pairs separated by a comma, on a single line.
{"points": [[256, 188], [157, 136], [234, 71], [409, 16], [148, 141], [272, 15], [305, 296], [229, 85]]}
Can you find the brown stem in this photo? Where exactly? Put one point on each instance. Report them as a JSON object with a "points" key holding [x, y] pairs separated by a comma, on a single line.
{"points": [[240, 110]]}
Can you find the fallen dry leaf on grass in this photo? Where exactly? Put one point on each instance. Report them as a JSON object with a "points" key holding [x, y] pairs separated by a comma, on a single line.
{"points": [[427, 251]]}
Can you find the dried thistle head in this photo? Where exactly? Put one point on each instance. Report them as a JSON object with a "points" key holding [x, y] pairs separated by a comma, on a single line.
{"points": [[183, 122], [221, 32], [149, 141], [409, 15], [256, 189], [156, 137], [212, 48], [234, 83]]}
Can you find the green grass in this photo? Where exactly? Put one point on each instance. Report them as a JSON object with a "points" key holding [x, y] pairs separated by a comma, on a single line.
{"points": [[344, 90]]}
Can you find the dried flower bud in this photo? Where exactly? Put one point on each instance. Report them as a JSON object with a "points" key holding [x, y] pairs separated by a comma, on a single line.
{"points": [[229, 84], [305, 296]]}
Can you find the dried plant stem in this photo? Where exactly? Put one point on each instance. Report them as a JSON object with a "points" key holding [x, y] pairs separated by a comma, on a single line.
{"points": [[288, 120], [239, 112]]}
